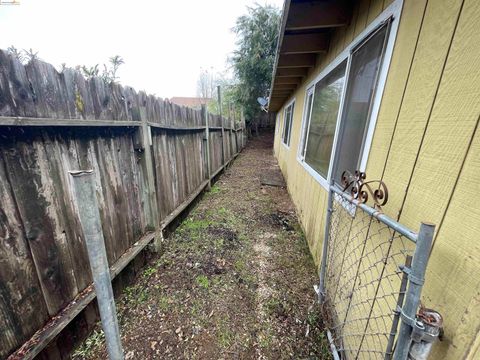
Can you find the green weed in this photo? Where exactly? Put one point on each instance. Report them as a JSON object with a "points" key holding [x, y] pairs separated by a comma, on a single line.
{"points": [[215, 189], [225, 335], [94, 340], [149, 271], [203, 281], [163, 303]]}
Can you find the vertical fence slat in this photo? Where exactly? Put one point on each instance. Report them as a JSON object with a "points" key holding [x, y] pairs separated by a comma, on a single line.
{"points": [[22, 307], [207, 145], [148, 164]]}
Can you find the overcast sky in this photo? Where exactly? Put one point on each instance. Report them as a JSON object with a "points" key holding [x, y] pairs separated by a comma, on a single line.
{"points": [[165, 44]]}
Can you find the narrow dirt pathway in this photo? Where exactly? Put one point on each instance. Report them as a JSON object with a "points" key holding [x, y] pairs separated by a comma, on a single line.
{"points": [[234, 281]]}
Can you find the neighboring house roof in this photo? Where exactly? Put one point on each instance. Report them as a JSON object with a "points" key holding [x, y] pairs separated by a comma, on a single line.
{"points": [[193, 102], [305, 32]]}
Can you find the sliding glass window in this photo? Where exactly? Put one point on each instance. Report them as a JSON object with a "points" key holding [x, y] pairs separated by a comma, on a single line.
{"points": [[323, 120], [336, 119], [366, 61]]}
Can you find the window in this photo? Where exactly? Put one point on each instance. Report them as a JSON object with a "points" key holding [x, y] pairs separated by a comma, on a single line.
{"points": [[323, 119], [365, 65], [287, 124], [338, 108]]}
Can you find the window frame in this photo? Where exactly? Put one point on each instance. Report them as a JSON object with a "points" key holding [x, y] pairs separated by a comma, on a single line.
{"points": [[393, 11], [291, 104]]}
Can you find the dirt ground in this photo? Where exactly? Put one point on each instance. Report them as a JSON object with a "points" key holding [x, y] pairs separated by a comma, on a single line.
{"points": [[234, 280]]}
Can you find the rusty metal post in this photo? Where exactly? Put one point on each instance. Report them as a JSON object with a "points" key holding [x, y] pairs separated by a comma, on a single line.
{"points": [[83, 182]]}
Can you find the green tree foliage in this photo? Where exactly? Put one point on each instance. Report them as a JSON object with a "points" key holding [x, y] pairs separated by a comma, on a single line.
{"points": [[253, 58], [230, 107]]}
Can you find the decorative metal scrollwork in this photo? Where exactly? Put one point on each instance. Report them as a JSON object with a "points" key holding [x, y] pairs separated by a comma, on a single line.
{"points": [[362, 190]]}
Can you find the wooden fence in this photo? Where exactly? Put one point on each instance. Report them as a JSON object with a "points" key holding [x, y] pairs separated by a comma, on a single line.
{"points": [[150, 162]]}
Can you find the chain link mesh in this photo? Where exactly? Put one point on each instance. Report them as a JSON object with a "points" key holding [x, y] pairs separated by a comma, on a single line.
{"points": [[363, 281]]}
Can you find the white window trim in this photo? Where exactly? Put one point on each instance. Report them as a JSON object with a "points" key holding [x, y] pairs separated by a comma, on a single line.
{"points": [[290, 103], [305, 116], [393, 10]]}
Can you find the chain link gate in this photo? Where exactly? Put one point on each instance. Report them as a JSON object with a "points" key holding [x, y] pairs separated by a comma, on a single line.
{"points": [[371, 274]]}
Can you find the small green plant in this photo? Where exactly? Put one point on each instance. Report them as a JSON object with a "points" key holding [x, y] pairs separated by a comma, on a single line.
{"points": [[142, 296], [163, 303], [203, 281], [225, 335], [272, 306], [215, 189], [194, 225], [218, 243], [134, 295], [129, 293], [149, 271], [239, 265], [265, 338], [94, 340], [313, 318]]}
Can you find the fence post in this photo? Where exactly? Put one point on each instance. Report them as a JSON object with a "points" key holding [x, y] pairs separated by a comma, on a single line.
{"points": [[85, 196], [219, 91], [244, 128], [232, 126], [416, 276], [207, 138], [323, 265], [147, 164]]}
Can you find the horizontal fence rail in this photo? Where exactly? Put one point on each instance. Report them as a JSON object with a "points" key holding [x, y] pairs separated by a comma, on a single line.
{"points": [[367, 263], [150, 162]]}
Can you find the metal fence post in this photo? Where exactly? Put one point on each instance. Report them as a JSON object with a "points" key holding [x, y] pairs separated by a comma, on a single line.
{"points": [[323, 265], [207, 138], [83, 182], [219, 91], [147, 164], [416, 276]]}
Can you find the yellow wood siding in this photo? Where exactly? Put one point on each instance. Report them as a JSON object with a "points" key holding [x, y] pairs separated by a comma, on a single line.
{"points": [[426, 147]]}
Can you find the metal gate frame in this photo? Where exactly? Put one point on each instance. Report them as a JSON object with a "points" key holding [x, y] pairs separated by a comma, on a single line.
{"points": [[354, 194]]}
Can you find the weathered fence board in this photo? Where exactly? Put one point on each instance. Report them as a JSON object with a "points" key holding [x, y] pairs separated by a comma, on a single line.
{"points": [[47, 128], [32, 187], [22, 307]]}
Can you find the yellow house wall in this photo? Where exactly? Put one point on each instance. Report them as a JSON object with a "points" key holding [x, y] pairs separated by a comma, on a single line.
{"points": [[426, 147]]}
